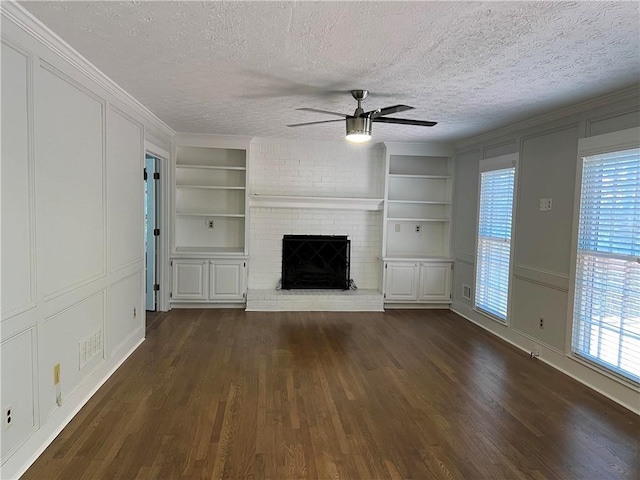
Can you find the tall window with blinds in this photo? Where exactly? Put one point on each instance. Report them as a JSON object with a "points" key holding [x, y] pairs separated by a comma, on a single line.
{"points": [[494, 241], [606, 310]]}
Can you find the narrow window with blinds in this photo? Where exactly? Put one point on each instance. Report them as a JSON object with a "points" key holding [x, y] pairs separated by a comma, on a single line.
{"points": [[494, 241], [606, 307]]}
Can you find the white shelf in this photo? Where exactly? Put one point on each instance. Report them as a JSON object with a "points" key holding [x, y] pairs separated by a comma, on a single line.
{"points": [[426, 202], [427, 177], [211, 187], [211, 167], [416, 258], [227, 215], [330, 203], [409, 219]]}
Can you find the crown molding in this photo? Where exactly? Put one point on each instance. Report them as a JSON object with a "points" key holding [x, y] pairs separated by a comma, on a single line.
{"points": [[629, 93], [24, 20]]}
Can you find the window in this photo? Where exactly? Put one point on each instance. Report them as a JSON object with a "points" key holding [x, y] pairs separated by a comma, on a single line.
{"points": [[493, 254], [606, 305]]}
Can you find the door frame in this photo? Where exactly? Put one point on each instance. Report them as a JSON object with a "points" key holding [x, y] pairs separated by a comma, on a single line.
{"points": [[163, 223]]}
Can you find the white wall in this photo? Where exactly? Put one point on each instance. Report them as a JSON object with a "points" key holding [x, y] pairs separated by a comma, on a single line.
{"points": [[324, 169], [72, 231], [540, 282]]}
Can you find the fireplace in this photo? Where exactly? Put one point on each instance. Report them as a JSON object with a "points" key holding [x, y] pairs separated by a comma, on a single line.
{"points": [[315, 261]]}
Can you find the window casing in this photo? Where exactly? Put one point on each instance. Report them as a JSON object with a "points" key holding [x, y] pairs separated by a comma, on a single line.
{"points": [[606, 302], [493, 248]]}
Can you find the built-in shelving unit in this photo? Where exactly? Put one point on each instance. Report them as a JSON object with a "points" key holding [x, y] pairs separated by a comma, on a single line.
{"points": [[416, 231], [209, 254], [418, 209], [210, 199]]}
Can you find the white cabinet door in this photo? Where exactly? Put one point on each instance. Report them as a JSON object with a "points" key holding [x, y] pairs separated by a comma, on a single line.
{"points": [[435, 281], [190, 280], [401, 281], [227, 279]]}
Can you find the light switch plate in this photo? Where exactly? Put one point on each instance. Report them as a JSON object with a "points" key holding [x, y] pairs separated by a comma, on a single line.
{"points": [[545, 204]]}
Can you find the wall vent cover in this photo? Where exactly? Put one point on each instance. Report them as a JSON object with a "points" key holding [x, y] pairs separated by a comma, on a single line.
{"points": [[466, 291]]}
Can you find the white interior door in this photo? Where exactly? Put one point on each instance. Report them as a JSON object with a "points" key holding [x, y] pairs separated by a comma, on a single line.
{"points": [[151, 223]]}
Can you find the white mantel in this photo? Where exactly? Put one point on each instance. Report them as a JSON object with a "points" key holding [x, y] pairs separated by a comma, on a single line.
{"points": [[330, 203]]}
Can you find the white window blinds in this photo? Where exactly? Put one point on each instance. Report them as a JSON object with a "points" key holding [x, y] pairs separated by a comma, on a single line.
{"points": [[494, 241], [606, 311]]}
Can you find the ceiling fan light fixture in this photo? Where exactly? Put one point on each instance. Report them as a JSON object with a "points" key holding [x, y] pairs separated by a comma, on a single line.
{"points": [[358, 129]]}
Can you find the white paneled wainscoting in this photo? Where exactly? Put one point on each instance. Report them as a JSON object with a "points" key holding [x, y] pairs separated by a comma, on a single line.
{"points": [[72, 233]]}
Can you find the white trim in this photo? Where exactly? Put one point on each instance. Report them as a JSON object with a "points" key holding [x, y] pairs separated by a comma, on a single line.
{"points": [[419, 149], [630, 93], [464, 257], [164, 216], [489, 315], [239, 142], [547, 278], [609, 142], [498, 163], [32, 26], [155, 150]]}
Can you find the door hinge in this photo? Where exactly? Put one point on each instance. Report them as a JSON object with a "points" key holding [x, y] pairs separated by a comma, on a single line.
{"points": [[170, 294], [145, 175], [244, 295], [171, 263], [156, 232], [384, 295], [156, 287], [385, 266], [244, 265], [156, 175]]}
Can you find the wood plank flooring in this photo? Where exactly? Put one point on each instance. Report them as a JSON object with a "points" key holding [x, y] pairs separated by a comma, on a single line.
{"points": [[396, 395]]}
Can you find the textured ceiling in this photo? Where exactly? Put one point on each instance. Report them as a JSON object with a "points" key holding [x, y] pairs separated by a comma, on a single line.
{"points": [[243, 67]]}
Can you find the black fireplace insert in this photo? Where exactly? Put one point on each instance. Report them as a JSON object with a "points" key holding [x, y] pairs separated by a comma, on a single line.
{"points": [[315, 261]]}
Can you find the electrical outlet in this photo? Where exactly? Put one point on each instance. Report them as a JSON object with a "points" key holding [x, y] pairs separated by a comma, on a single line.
{"points": [[418, 228], [135, 312], [209, 223], [541, 323], [8, 416]]}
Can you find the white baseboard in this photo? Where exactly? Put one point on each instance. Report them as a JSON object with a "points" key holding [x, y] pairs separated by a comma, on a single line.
{"points": [[416, 306], [23, 458], [207, 305]]}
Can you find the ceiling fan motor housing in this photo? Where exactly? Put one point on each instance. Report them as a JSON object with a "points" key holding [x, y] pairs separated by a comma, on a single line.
{"points": [[359, 125]]}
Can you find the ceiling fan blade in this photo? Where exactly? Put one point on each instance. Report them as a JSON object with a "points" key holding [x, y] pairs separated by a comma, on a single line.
{"points": [[387, 111], [343, 115], [313, 123], [405, 121]]}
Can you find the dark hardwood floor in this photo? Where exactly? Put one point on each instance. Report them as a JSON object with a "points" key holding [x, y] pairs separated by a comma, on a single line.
{"points": [[404, 394]]}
